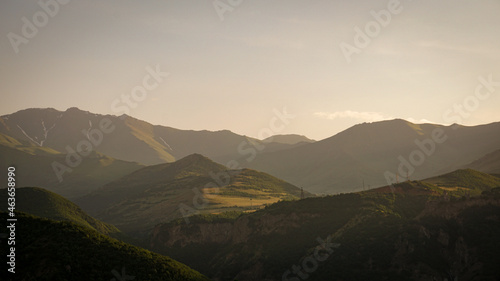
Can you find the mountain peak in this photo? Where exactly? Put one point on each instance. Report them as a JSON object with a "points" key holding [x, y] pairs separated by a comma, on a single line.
{"points": [[191, 165], [195, 157], [288, 139], [197, 162], [30, 111], [76, 110], [391, 127]]}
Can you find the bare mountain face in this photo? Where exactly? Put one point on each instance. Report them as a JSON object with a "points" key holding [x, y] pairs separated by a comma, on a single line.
{"points": [[124, 137], [374, 154]]}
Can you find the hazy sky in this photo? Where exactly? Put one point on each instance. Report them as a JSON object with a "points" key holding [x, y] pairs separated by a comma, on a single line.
{"points": [[230, 69]]}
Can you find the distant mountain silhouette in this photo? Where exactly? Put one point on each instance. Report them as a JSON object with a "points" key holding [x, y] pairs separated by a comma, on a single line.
{"points": [[358, 158], [365, 152], [125, 138], [288, 139]]}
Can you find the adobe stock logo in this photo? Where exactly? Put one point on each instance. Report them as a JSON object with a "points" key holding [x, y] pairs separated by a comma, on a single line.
{"points": [[39, 19], [461, 111], [457, 114], [221, 7], [425, 148]]}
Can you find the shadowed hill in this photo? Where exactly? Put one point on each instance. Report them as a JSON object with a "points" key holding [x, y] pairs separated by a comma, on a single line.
{"points": [[49, 250], [34, 167], [46, 204]]}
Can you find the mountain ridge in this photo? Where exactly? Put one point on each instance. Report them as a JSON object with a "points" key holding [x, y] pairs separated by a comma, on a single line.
{"points": [[365, 152], [360, 155], [139, 141]]}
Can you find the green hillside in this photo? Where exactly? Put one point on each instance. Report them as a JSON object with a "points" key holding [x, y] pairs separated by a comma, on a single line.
{"points": [[474, 181], [192, 185], [458, 183], [52, 251], [46, 204], [457, 240]]}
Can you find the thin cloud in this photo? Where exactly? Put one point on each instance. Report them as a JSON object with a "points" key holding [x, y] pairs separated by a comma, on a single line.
{"points": [[365, 116], [419, 121]]}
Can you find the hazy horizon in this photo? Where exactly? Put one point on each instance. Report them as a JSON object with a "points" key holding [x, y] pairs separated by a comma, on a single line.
{"points": [[231, 70]]}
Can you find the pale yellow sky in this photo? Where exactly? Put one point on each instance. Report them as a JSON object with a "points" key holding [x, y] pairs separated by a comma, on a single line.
{"points": [[231, 68]]}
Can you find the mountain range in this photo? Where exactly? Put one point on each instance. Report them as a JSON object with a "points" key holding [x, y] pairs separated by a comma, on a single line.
{"points": [[126, 138], [422, 201], [364, 156]]}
